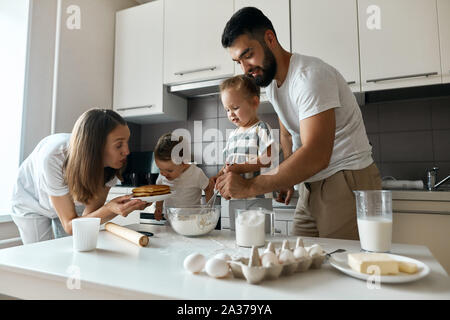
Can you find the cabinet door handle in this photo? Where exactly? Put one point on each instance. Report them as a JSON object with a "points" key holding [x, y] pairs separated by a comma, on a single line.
{"points": [[133, 108], [277, 230], [404, 77], [180, 73], [351, 82]]}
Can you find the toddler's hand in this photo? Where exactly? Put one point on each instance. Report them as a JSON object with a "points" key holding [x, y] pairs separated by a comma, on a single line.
{"points": [[233, 168], [158, 214], [227, 168]]}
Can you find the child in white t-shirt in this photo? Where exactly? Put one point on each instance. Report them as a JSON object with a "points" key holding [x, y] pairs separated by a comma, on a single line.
{"points": [[185, 180]]}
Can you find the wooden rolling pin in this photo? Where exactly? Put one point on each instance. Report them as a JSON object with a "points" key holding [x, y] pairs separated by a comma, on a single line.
{"points": [[128, 234]]}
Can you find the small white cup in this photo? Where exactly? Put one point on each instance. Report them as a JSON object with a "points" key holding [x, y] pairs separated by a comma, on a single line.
{"points": [[85, 233]]}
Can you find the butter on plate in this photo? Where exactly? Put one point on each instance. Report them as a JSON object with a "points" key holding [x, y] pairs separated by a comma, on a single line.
{"points": [[369, 263]]}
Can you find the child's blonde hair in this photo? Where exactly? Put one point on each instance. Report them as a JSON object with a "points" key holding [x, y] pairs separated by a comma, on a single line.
{"points": [[245, 84]]}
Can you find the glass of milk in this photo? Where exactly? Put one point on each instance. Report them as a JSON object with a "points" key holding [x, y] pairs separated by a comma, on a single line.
{"points": [[374, 213], [250, 228]]}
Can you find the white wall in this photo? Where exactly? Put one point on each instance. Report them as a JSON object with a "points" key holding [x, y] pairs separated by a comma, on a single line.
{"points": [[85, 67], [13, 37], [86, 60], [39, 81]]}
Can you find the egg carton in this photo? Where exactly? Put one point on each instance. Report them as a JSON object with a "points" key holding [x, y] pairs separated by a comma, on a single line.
{"points": [[253, 270]]}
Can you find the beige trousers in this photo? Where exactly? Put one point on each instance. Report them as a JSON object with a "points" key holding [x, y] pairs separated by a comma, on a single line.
{"points": [[327, 208]]}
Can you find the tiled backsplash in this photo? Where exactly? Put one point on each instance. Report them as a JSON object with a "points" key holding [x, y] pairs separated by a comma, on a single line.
{"points": [[210, 113], [408, 136]]}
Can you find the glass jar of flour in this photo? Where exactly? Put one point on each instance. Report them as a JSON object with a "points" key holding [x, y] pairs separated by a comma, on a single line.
{"points": [[250, 228]]}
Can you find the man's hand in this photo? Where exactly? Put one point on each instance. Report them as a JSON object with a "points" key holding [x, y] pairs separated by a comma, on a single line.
{"points": [[232, 185], [285, 195]]}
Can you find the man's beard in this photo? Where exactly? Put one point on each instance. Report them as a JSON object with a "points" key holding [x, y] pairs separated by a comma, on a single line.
{"points": [[269, 68]]}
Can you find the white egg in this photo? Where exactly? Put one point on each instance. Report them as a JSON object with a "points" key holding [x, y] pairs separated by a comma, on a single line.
{"points": [[194, 262], [223, 256], [216, 268], [315, 250], [300, 252], [286, 256], [269, 258], [285, 245], [270, 248]]}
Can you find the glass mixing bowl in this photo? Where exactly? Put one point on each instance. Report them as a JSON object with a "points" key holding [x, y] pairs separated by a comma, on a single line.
{"points": [[193, 220]]}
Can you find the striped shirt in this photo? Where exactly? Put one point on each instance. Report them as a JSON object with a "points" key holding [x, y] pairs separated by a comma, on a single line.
{"points": [[245, 146]]}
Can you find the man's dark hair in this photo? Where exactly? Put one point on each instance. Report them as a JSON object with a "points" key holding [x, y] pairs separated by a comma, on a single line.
{"points": [[248, 20]]}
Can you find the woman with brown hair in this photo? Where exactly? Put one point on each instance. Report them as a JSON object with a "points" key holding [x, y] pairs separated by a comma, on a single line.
{"points": [[69, 175]]}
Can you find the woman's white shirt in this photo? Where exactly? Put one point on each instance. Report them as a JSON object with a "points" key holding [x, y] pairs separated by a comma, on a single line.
{"points": [[41, 176]]}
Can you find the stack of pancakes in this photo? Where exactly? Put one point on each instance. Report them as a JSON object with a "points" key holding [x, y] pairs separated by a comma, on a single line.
{"points": [[150, 190]]}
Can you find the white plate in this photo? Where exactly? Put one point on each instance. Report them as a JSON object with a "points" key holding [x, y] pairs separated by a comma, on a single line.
{"points": [[339, 261], [154, 198]]}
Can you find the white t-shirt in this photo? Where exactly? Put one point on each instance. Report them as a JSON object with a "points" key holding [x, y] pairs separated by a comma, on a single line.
{"points": [[311, 87], [41, 176], [187, 188]]}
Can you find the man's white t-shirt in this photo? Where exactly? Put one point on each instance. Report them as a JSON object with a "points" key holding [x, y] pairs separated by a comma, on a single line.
{"points": [[311, 87], [41, 176], [187, 188]]}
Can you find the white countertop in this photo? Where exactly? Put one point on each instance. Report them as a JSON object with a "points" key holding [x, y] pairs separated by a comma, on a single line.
{"points": [[120, 269]]}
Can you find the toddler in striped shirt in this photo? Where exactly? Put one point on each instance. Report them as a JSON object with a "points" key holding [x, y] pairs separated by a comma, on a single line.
{"points": [[248, 148]]}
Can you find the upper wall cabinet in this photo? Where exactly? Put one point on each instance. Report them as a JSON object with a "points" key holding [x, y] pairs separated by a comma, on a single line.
{"points": [[278, 14], [192, 40], [139, 94], [399, 43], [443, 7], [328, 29]]}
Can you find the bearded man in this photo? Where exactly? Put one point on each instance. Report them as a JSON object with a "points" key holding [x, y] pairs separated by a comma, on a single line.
{"points": [[327, 154]]}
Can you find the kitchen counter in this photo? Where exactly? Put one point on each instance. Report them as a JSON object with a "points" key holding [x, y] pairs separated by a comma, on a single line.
{"points": [[118, 269], [421, 201], [421, 195]]}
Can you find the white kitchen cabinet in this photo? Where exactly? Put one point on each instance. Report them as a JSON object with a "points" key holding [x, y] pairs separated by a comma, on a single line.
{"points": [[281, 227], [192, 40], [225, 223], [283, 220], [328, 29], [426, 229], [443, 9], [399, 45], [139, 94], [278, 14], [289, 226]]}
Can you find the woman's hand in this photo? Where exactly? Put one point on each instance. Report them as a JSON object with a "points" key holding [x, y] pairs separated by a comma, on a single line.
{"points": [[124, 206]]}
